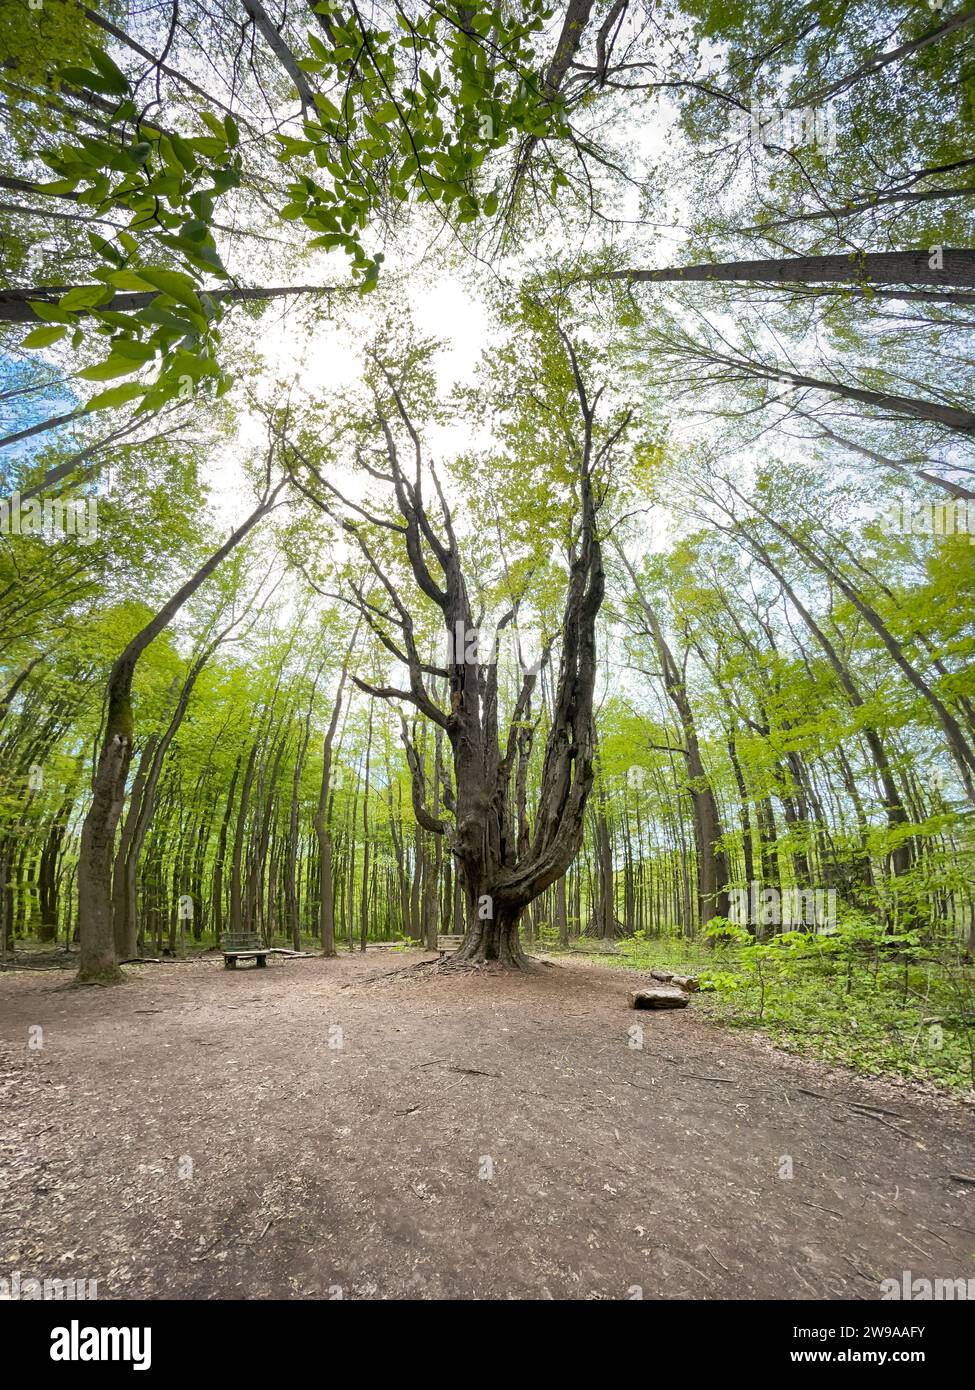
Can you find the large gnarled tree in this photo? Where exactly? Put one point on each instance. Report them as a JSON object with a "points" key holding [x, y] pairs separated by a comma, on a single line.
{"points": [[413, 549]]}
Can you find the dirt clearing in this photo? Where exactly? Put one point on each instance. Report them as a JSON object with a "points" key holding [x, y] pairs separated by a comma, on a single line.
{"points": [[311, 1130]]}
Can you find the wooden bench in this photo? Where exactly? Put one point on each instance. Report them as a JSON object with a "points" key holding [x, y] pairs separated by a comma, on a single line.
{"points": [[446, 945], [243, 946]]}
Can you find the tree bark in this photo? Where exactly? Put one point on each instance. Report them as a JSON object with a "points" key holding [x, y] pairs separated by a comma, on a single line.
{"points": [[15, 304], [498, 881], [326, 899], [957, 268], [712, 861]]}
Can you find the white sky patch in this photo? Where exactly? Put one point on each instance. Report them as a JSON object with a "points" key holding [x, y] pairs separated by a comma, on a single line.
{"points": [[326, 359]]}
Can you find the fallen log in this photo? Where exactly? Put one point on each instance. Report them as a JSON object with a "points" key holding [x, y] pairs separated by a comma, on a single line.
{"points": [[662, 997], [688, 983]]}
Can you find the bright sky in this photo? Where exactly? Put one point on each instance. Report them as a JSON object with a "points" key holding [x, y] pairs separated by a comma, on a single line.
{"points": [[443, 303]]}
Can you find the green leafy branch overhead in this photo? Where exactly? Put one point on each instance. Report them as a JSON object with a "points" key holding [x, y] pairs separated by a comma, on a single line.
{"points": [[388, 118]]}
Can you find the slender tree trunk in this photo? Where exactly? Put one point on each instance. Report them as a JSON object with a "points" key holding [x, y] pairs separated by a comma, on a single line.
{"points": [[957, 268], [366, 847], [218, 863], [99, 963], [326, 899], [712, 863]]}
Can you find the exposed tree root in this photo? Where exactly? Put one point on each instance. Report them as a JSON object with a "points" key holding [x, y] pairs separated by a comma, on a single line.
{"points": [[103, 977], [520, 964]]}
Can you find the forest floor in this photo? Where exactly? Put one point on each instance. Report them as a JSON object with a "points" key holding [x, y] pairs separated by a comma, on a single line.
{"points": [[345, 1128]]}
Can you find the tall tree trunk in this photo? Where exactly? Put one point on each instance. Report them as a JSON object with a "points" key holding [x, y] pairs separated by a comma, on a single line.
{"points": [[712, 862], [326, 899], [866, 268], [366, 847], [218, 863], [99, 964]]}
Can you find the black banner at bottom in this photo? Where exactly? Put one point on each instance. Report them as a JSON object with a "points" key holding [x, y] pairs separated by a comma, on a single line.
{"points": [[167, 1339]]}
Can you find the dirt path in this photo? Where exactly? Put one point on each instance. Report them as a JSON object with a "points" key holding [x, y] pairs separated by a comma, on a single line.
{"points": [[366, 1168]]}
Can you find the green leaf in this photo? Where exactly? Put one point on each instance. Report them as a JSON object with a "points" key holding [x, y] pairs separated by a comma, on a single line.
{"points": [[201, 255], [86, 297], [115, 319], [209, 146], [183, 153], [174, 283], [328, 242], [327, 108], [57, 186], [164, 318], [133, 349], [112, 366], [50, 313], [105, 250], [111, 74], [226, 178], [211, 122], [128, 280], [92, 81], [44, 337], [115, 396]]}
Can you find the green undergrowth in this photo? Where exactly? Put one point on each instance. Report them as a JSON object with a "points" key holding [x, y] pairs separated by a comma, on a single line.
{"points": [[884, 1008]]}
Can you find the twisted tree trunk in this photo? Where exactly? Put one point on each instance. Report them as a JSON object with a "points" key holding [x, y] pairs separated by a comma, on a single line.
{"points": [[503, 866]]}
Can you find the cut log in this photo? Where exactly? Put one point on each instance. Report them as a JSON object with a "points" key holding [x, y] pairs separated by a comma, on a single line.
{"points": [[689, 983], [663, 997]]}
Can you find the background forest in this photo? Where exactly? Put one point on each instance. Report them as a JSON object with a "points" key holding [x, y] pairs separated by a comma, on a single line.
{"points": [[632, 338]]}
